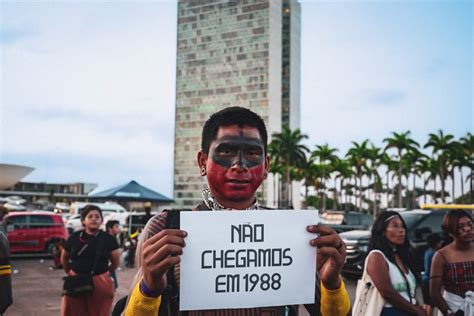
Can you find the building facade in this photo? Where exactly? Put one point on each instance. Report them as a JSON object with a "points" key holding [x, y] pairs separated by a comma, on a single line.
{"points": [[238, 53]]}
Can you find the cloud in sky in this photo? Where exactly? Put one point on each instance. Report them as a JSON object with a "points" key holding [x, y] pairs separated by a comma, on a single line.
{"points": [[386, 97], [88, 88], [92, 83]]}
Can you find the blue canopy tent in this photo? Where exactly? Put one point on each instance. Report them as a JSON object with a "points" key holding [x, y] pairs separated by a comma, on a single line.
{"points": [[131, 191]]}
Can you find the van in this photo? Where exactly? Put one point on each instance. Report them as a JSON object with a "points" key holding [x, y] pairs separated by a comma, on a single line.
{"points": [[34, 231], [107, 208]]}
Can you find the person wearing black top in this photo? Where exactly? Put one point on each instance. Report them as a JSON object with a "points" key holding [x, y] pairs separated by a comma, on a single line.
{"points": [[79, 256]]}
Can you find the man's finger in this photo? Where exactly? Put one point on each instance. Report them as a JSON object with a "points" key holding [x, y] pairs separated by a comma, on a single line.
{"points": [[177, 232], [151, 257], [161, 267], [327, 241], [154, 246], [330, 252], [321, 229]]}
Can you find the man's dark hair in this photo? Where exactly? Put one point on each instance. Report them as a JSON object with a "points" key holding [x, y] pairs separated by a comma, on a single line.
{"points": [[433, 239], [110, 224], [234, 115], [451, 219], [88, 208], [380, 242]]}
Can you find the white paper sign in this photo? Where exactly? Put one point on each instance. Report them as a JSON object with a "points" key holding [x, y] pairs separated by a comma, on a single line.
{"points": [[244, 259]]}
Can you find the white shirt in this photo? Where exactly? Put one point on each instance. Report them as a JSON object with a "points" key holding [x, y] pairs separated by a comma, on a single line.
{"points": [[398, 281]]}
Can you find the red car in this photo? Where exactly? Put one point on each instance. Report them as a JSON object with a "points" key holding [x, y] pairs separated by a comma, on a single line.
{"points": [[34, 231]]}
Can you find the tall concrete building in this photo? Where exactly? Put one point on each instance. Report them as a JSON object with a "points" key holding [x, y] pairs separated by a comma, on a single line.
{"points": [[237, 53]]}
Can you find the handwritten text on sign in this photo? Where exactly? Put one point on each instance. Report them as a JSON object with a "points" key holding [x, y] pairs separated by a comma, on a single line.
{"points": [[243, 259]]}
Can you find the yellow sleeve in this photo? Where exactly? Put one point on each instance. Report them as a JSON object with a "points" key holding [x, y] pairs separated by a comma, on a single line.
{"points": [[335, 302], [141, 305], [5, 269]]}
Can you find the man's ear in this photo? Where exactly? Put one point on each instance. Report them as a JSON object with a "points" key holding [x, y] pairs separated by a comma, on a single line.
{"points": [[267, 165], [202, 160]]}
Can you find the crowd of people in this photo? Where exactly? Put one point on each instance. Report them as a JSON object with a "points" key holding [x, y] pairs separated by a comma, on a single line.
{"points": [[234, 160], [448, 281]]}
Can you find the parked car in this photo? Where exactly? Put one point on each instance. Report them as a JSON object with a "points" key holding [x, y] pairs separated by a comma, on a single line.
{"points": [[122, 218], [73, 223], [61, 207], [107, 207], [345, 221], [420, 223], [34, 231]]}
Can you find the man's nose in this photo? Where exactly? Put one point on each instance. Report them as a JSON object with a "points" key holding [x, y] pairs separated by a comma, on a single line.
{"points": [[238, 161]]}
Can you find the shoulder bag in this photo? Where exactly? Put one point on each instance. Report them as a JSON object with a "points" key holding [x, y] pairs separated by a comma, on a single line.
{"points": [[368, 300]]}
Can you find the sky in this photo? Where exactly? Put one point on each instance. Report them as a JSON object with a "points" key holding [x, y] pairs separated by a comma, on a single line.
{"points": [[87, 88]]}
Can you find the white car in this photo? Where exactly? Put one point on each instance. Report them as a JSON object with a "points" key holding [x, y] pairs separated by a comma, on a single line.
{"points": [[15, 199], [61, 207], [120, 217], [73, 223]]}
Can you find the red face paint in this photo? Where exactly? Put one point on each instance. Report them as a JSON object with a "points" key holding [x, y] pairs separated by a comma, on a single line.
{"points": [[236, 183]]}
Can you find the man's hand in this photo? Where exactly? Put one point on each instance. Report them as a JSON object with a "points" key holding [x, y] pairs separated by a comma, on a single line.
{"points": [[331, 255], [161, 252]]}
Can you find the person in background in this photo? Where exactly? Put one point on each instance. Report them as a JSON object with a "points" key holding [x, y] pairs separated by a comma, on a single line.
{"points": [[145, 218], [6, 298], [434, 243], [391, 267], [453, 265], [112, 228], [58, 248], [82, 250], [234, 159]]}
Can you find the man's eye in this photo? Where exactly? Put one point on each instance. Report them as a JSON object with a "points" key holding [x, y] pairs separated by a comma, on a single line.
{"points": [[226, 152], [253, 153]]}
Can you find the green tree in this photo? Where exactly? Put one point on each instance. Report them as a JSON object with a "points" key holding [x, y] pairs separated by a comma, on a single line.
{"points": [[440, 144], [343, 172], [402, 143], [325, 156], [374, 158], [392, 166], [467, 143], [423, 167], [357, 157], [287, 151]]}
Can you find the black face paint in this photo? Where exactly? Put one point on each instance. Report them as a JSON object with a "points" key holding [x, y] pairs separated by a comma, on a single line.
{"points": [[245, 152]]}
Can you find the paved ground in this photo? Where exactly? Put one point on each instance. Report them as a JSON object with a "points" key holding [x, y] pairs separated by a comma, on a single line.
{"points": [[37, 288]]}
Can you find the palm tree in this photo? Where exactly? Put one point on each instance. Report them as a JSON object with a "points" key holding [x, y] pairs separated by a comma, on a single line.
{"points": [[392, 166], [440, 146], [422, 168], [309, 172], [288, 151], [326, 157], [410, 162], [343, 172], [468, 147], [357, 156], [456, 159], [277, 170], [433, 170], [375, 159], [403, 144]]}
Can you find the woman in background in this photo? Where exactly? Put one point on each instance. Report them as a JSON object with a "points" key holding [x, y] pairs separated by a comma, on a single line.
{"points": [[434, 244], [391, 267], [83, 249], [453, 265]]}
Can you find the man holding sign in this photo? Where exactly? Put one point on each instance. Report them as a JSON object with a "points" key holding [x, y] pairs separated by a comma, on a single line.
{"points": [[234, 159]]}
